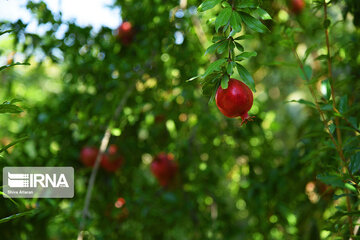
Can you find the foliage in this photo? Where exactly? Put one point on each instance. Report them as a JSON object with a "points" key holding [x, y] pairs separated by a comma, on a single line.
{"points": [[287, 175]]}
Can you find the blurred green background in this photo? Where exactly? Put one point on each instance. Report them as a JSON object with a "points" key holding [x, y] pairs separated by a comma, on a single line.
{"points": [[251, 182]]}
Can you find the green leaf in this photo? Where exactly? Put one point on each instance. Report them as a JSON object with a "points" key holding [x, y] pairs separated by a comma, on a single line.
{"points": [[343, 104], [223, 46], [322, 57], [214, 66], [193, 78], [243, 37], [332, 128], [353, 122], [223, 18], [327, 23], [355, 163], [332, 180], [239, 47], [230, 67], [217, 38], [232, 46], [226, 27], [212, 48], [13, 143], [9, 218], [7, 31], [350, 187], [232, 33], [286, 43], [7, 196], [245, 55], [208, 4], [302, 101], [336, 197], [246, 77], [264, 15], [235, 22], [225, 4], [210, 85], [326, 84], [326, 107], [208, 88], [308, 72], [248, 4], [15, 100], [253, 23], [13, 64], [308, 51], [225, 81], [9, 108], [212, 98]]}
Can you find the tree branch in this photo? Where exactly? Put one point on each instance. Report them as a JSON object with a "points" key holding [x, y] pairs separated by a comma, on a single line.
{"points": [[103, 146]]}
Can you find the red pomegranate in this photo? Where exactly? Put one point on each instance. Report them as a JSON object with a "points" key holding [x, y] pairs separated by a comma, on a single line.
{"points": [[297, 6], [164, 168], [119, 213], [111, 160], [235, 101], [125, 33], [88, 156]]}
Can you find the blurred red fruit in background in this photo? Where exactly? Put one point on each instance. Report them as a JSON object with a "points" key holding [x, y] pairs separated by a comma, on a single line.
{"points": [[164, 168]]}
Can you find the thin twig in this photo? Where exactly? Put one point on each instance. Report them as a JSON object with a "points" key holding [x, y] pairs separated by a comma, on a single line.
{"points": [[337, 122], [103, 146], [337, 147]]}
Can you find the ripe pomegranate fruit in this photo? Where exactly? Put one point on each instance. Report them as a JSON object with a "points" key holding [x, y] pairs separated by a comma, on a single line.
{"points": [[235, 101], [125, 33], [120, 202], [117, 211], [297, 6], [164, 168], [111, 160], [88, 156]]}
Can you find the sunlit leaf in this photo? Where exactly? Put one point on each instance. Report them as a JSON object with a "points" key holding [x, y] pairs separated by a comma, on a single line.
{"points": [[208, 4], [262, 14], [223, 18], [9, 218], [302, 101], [253, 23], [13, 143], [13, 64], [224, 82], [245, 55], [246, 77], [214, 66], [235, 22]]}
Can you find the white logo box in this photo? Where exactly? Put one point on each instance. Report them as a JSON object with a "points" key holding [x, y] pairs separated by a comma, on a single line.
{"points": [[38, 182]]}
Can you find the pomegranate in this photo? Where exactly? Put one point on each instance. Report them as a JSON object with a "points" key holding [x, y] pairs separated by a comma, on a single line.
{"points": [[125, 33], [120, 202], [88, 156], [297, 6], [111, 160], [119, 213], [235, 101], [164, 168]]}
